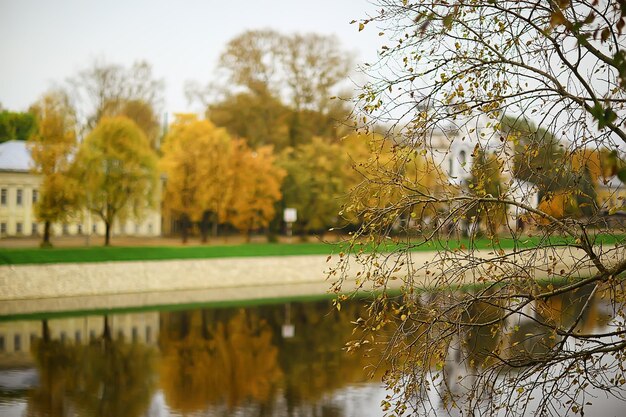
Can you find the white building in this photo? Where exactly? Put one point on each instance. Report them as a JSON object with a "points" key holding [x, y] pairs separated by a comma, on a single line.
{"points": [[453, 150], [19, 191]]}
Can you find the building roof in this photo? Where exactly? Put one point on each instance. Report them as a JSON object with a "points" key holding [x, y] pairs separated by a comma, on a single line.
{"points": [[15, 156]]}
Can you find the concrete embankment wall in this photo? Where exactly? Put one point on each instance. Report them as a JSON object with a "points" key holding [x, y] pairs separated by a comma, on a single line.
{"points": [[26, 288], [58, 287]]}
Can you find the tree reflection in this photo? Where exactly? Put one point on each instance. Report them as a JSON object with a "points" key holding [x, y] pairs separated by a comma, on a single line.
{"points": [[314, 361], [223, 359], [106, 378], [494, 336], [56, 366], [217, 359]]}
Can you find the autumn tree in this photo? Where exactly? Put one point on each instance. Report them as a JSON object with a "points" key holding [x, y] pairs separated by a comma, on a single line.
{"points": [[256, 187], [282, 83], [117, 170], [315, 184], [52, 147], [486, 180], [196, 160], [447, 75], [144, 115], [535, 153], [107, 90]]}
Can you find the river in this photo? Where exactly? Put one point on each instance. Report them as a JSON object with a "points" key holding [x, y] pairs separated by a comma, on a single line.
{"points": [[272, 358]]}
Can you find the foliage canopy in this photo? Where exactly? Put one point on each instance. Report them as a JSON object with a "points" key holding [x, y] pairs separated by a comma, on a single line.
{"points": [[118, 171], [528, 85]]}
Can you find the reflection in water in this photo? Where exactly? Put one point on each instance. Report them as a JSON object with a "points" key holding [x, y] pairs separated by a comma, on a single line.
{"points": [[224, 362], [102, 377], [521, 336], [215, 361], [235, 361]]}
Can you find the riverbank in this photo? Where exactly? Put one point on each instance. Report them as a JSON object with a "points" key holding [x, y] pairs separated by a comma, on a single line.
{"points": [[104, 285], [28, 289]]}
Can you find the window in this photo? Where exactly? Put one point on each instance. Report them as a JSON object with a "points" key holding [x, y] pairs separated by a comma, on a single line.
{"points": [[92, 335], [148, 334], [63, 337], [77, 337], [18, 198], [17, 343], [3, 228], [66, 229], [2, 347], [94, 228], [462, 158], [450, 167], [135, 333], [33, 229], [80, 229], [18, 228], [3, 197], [35, 196]]}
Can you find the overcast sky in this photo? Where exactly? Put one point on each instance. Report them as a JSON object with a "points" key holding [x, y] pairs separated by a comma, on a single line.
{"points": [[43, 42]]}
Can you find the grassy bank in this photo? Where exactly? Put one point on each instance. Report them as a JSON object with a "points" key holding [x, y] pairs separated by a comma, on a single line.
{"points": [[17, 256], [149, 253]]}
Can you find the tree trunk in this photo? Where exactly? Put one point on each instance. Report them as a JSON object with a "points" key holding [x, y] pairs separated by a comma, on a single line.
{"points": [[45, 242], [45, 330], [204, 226], [107, 234], [184, 228], [215, 225], [106, 332]]}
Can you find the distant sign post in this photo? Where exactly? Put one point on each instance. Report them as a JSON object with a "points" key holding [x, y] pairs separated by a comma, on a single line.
{"points": [[290, 216]]}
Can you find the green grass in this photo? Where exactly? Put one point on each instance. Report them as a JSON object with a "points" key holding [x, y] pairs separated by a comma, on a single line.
{"points": [[135, 253], [18, 256]]}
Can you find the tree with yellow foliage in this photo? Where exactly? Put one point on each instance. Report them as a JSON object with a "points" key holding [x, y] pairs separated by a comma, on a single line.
{"points": [[378, 162], [118, 171], [196, 158], [447, 73], [255, 187], [315, 184], [51, 147]]}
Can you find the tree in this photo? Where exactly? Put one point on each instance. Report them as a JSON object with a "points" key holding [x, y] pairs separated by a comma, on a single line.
{"points": [[255, 188], [144, 116], [536, 151], [486, 180], [315, 184], [283, 85], [105, 89], [448, 74], [259, 117], [196, 160], [16, 126], [51, 147], [117, 170]]}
